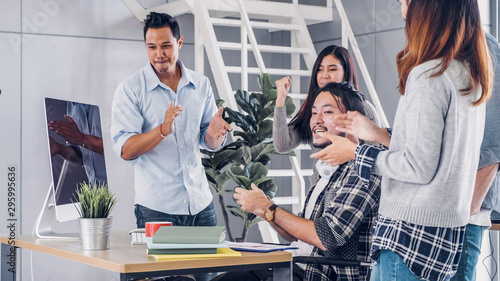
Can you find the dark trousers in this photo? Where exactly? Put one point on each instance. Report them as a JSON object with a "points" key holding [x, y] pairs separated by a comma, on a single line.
{"points": [[206, 217], [257, 275]]}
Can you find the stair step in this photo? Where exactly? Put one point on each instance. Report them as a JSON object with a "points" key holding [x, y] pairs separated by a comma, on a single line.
{"points": [[256, 24], [304, 147], [298, 96], [288, 173], [272, 71], [264, 48], [291, 200], [293, 96]]}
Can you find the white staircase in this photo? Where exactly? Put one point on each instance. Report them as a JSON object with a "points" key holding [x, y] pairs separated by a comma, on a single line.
{"points": [[250, 16]]}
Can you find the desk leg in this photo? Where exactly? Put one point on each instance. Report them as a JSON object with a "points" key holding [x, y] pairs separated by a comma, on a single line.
{"points": [[8, 266], [283, 273]]}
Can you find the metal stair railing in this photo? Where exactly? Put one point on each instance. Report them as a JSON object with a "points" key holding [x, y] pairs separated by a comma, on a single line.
{"points": [[349, 37]]}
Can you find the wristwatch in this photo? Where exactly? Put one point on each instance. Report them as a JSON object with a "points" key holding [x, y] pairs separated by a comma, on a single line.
{"points": [[269, 213]]}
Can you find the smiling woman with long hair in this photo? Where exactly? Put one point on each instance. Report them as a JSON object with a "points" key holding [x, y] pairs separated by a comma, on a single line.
{"points": [[445, 77], [428, 171]]}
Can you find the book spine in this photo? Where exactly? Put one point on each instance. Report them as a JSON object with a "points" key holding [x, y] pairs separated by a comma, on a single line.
{"points": [[186, 240]]}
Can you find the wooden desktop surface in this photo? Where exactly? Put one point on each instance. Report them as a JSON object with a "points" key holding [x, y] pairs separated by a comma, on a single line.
{"points": [[123, 257], [495, 226]]}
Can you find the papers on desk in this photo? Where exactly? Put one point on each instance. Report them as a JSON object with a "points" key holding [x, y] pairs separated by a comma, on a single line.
{"points": [[258, 247], [221, 252], [152, 245]]}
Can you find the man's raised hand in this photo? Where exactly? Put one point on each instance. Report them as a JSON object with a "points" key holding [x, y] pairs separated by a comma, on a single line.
{"points": [[218, 127], [170, 114], [340, 151]]}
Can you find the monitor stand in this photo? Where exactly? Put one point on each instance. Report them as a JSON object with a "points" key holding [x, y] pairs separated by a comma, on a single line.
{"points": [[43, 225]]}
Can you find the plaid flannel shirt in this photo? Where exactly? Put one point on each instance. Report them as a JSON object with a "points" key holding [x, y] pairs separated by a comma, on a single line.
{"points": [[431, 253], [343, 215]]}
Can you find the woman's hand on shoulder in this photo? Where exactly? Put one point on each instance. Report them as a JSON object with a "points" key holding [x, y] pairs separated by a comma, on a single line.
{"points": [[341, 150], [356, 124]]}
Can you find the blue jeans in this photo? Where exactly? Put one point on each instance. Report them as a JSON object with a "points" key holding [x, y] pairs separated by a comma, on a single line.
{"points": [[470, 253], [391, 267], [206, 217]]}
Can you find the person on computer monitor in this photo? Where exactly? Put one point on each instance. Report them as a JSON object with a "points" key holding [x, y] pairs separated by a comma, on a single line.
{"points": [[83, 134], [340, 209]]}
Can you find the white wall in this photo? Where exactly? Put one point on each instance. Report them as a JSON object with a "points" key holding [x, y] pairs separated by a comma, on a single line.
{"points": [[80, 50]]}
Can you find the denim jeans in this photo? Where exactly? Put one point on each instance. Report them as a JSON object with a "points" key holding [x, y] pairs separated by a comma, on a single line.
{"points": [[470, 253], [207, 217], [391, 267]]}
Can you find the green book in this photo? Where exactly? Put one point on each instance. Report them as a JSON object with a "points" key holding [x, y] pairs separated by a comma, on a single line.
{"points": [[190, 234], [192, 251]]}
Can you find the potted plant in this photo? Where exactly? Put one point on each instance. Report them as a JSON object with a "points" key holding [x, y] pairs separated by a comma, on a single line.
{"points": [[94, 206], [245, 159]]}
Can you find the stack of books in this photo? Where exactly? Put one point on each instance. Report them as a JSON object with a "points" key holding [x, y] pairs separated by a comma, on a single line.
{"points": [[174, 242]]}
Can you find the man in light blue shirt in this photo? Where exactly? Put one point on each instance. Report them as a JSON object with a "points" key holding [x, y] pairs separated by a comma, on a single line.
{"points": [[161, 115]]}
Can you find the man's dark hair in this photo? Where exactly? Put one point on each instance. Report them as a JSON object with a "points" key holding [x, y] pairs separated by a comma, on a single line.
{"points": [[159, 20], [348, 99]]}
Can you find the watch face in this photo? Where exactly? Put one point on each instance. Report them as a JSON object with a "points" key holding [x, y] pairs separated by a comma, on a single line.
{"points": [[269, 215]]}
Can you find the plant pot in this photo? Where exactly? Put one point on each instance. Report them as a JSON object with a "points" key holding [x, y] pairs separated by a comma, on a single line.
{"points": [[95, 233]]}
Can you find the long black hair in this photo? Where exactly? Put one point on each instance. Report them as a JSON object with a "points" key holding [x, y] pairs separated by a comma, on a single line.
{"points": [[347, 98], [301, 121]]}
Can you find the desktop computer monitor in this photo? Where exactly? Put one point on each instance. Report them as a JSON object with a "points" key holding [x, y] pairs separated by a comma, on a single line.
{"points": [[76, 152]]}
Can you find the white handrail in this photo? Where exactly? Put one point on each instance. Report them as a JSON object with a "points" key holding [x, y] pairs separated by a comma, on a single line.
{"points": [[214, 55], [251, 37], [361, 63]]}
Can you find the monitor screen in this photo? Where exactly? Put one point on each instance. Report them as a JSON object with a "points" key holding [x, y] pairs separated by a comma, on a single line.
{"points": [[76, 151]]}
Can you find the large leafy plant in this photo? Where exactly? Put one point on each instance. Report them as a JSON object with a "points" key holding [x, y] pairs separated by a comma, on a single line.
{"points": [[245, 159]]}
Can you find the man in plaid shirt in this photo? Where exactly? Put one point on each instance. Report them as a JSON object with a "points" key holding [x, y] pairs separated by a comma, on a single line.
{"points": [[339, 212]]}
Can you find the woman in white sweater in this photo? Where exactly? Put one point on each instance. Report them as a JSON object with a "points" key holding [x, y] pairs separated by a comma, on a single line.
{"points": [[428, 172]]}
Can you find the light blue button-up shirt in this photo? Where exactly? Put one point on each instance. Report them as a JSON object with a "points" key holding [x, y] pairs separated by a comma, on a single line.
{"points": [[170, 178]]}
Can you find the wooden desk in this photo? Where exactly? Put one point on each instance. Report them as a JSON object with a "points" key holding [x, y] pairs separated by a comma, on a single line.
{"points": [[495, 226], [131, 261]]}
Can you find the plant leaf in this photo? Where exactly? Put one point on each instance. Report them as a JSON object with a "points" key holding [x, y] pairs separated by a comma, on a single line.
{"points": [[290, 106], [249, 137], [236, 211], [256, 171], [255, 221], [219, 102], [265, 131], [247, 103], [239, 120], [266, 85], [268, 187]]}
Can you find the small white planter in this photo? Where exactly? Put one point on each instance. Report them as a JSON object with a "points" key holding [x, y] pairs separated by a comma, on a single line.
{"points": [[95, 233]]}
